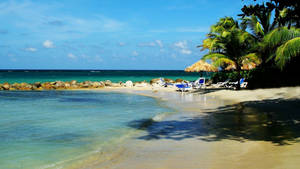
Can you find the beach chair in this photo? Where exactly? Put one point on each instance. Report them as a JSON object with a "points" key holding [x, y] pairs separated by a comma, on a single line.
{"points": [[183, 87], [199, 83], [243, 84]]}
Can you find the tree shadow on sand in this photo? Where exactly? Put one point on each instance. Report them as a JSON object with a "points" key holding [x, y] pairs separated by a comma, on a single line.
{"points": [[276, 121]]}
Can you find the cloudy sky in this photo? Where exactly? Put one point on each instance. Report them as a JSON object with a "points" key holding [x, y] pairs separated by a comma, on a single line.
{"points": [[106, 34]]}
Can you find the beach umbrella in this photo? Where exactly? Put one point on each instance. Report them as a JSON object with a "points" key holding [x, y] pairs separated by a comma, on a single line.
{"points": [[245, 66], [201, 66]]}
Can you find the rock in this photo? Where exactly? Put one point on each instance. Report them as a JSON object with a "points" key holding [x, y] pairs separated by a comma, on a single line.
{"points": [[67, 85], [6, 86], [58, 85], [154, 81], [47, 86], [85, 84], [96, 84], [128, 84], [179, 80], [37, 84], [169, 80], [73, 82], [108, 83], [25, 86]]}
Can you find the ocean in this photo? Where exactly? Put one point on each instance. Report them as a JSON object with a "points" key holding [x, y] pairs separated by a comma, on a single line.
{"points": [[53, 129], [31, 76]]}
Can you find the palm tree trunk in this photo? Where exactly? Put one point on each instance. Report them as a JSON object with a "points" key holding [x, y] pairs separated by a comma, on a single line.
{"points": [[239, 77]]}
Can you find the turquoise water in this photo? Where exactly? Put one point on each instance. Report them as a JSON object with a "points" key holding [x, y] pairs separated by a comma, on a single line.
{"points": [[41, 129], [31, 76]]}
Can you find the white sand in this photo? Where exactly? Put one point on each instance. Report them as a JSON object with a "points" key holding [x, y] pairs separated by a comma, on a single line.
{"points": [[181, 147]]}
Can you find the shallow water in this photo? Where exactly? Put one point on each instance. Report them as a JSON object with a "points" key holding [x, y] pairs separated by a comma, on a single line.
{"points": [[41, 129]]}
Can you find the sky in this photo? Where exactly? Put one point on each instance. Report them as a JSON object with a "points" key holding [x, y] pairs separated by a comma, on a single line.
{"points": [[107, 34]]}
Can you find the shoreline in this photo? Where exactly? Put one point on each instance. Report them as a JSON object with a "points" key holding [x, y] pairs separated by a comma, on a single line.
{"points": [[206, 131], [160, 147]]}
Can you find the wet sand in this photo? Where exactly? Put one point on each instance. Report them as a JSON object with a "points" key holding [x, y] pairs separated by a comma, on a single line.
{"points": [[217, 130]]}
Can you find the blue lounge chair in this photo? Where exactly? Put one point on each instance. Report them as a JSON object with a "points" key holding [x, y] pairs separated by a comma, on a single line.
{"points": [[183, 87]]}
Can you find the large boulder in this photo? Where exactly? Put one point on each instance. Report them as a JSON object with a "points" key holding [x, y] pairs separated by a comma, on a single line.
{"points": [[169, 80], [108, 83], [85, 84], [154, 81], [25, 86], [96, 85], [37, 84], [5, 86], [47, 86], [73, 82], [128, 84], [58, 85], [179, 80]]}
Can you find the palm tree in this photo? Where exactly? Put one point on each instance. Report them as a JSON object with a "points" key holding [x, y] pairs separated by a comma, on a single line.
{"points": [[257, 18], [229, 45], [283, 44], [280, 43]]}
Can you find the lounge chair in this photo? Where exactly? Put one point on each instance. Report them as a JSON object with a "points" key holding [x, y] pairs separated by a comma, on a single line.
{"points": [[243, 84], [199, 83], [183, 87]]}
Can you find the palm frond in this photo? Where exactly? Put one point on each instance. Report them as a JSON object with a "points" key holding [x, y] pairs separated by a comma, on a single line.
{"points": [[286, 51], [279, 36], [251, 57], [213, 56], [223, 61]]}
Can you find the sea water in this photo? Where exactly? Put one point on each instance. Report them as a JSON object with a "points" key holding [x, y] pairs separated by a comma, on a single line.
{"points": [[49, 128], [31, 76]]}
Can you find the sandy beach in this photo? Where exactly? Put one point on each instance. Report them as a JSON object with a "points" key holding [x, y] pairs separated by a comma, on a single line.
{"points": [[216, 130]]}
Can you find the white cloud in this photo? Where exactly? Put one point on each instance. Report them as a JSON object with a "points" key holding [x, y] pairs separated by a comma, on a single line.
{"points": [[159, 43], [31, 49], [135, 53], [181, 44], [186, 51], [41, 19], [48, 44], [71, 56]]}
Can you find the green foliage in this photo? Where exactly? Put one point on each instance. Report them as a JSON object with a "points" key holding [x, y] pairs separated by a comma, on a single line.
{"points": [[286, 51]]}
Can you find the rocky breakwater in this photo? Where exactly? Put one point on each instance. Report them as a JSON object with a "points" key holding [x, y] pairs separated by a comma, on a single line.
{"points": [[60, 85], [57, 85]]}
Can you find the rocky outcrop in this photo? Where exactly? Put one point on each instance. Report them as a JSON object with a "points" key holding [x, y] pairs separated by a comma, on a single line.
{"points": [[60, 85]]}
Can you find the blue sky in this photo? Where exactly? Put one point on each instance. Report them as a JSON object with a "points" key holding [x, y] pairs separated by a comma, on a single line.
{"points": [[106, 34]]}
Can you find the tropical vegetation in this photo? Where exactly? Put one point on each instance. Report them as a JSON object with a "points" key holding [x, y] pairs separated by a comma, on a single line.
{"points": [[265, 37]]}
